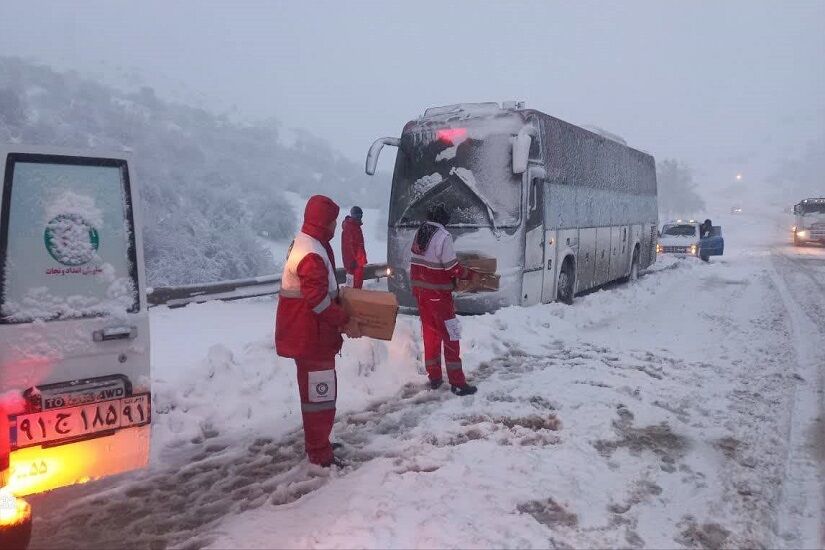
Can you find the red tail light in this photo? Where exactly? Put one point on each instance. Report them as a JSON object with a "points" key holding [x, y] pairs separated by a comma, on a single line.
{"points": [[451, 135]]}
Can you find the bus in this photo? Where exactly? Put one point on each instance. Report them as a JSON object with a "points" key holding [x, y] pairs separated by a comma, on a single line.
{"points": [[563, 209], [75, 400]]}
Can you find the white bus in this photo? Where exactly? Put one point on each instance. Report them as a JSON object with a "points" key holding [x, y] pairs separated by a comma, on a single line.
{"points": [[74, 331], [563, 209]]}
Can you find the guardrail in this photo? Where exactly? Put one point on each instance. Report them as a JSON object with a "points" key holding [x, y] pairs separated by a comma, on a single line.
{"points": [[267, 285]]}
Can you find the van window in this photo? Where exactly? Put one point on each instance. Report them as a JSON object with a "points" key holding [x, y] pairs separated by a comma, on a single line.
{"points": [[67, 246]]}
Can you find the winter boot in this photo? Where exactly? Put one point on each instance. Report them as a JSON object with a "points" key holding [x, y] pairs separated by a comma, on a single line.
{"points": [[336, 462], [466, 389], [435, 384]]}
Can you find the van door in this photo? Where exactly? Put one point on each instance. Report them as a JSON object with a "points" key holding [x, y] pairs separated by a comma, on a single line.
{"points": [[74, 330], [714, 244]]}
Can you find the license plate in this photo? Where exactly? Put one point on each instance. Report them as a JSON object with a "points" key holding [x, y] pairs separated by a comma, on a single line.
{"points": [[84, 421]]}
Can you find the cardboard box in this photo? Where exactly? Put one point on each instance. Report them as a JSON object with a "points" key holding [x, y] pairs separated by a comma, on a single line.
{"points": [[375, 309], [487, 282], [478, 263], [486, 267]]}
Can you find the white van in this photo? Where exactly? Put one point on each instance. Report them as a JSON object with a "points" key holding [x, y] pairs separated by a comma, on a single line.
{"points": [[75, 399]]}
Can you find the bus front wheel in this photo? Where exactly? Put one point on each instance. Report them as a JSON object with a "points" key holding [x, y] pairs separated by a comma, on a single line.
{"points": [[565, 288]]}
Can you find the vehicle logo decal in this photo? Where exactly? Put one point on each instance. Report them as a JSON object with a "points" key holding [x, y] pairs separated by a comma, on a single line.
{"points": [[71, 240]]}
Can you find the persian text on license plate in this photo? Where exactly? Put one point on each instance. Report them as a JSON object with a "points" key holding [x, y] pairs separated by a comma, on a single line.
{"points": [[75, 422]]}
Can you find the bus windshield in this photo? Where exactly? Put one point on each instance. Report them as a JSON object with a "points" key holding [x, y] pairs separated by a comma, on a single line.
{"points": [[472, 174], [810, 207]]}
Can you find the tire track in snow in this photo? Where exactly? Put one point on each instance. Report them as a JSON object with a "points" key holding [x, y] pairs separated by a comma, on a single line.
{"points": [[803, 501], [174, 508]]}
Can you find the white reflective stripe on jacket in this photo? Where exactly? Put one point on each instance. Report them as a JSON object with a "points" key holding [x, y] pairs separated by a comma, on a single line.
{"points": [[291, 283], [440, 253]]}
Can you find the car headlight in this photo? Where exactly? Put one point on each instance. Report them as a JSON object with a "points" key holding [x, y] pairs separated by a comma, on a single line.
{"points": [[802, 233], [694, 249], [659, 248]]}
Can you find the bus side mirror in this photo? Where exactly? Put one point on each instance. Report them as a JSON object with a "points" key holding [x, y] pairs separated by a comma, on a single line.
{"points": [[375, 152], [521, 149]]}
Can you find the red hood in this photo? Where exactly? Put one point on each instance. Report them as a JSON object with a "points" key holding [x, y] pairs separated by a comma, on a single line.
{"points": [[319, 214]]}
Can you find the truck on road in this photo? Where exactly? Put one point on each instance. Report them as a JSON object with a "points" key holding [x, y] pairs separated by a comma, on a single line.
{"points": [[809, 221]]}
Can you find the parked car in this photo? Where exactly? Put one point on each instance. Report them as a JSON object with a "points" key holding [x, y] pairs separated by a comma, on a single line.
{"points": [[691, 238]]}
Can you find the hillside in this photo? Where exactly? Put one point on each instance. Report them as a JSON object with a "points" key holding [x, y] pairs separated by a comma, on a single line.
{"points": [[211, 185]]}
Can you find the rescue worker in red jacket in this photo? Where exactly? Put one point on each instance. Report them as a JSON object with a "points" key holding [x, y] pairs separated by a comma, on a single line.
{"points": [[433, 269], [352, 247], [309, 323]]}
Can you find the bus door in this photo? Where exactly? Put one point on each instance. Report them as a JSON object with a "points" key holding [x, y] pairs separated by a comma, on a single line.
{"points": [[535, 249], [559, 238], [74, 331]]}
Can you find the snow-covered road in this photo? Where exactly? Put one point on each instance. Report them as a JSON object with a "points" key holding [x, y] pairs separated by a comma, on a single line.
{"points": [[682, 410]]}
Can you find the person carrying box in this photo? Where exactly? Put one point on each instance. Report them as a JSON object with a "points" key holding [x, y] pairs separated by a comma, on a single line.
{"points": [[434, 268], [309, 323]]}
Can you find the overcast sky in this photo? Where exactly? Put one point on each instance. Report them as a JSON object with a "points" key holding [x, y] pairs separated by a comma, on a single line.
{"points": [[727, 86]]}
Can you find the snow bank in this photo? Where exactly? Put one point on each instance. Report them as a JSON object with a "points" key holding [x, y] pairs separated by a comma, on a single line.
{"points": [[652, 414]]}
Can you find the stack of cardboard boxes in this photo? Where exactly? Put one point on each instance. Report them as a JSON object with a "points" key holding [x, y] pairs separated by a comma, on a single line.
{"points": [[486, 279], [377, 310]]}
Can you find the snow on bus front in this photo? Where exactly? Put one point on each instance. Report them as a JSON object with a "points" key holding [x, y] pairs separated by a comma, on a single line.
{"points": [[467, 166]]}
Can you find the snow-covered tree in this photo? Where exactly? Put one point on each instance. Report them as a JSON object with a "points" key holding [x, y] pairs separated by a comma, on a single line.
{"points": [[211, 186], [677, 190]]}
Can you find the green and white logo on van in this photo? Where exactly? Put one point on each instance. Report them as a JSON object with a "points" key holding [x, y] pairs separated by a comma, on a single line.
{"points": [[71, 239]]}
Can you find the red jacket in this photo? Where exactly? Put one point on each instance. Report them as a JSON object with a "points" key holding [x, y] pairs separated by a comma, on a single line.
{"points": [[352, 245], [433, 263], [309, 320]]}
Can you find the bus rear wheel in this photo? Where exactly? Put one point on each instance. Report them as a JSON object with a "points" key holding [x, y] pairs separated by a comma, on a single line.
{"points": [[565, 286]]}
